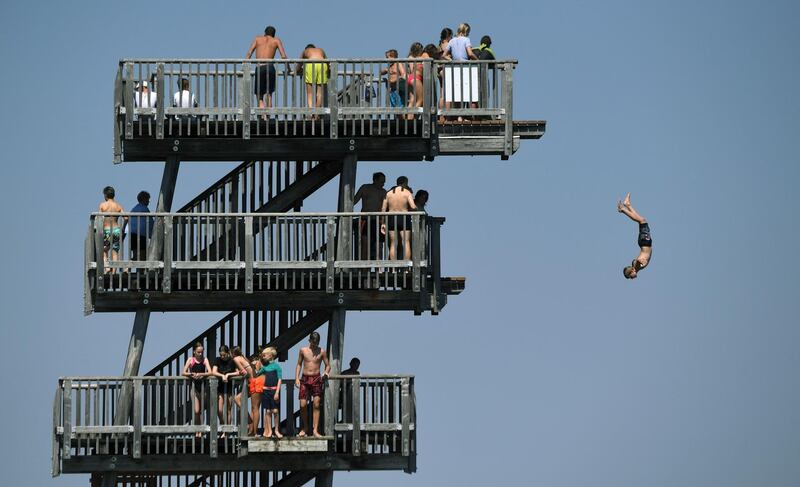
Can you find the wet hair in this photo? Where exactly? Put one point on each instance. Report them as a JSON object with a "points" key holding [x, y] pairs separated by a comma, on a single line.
{"points": [[415, 50], [183, 84], [378, 175], [463, 29], [236, 351], [143, 197], [311, 46], [108, 192], [422, 196], [197, 345], [432, 51], [487, 41], [402, 181], [628, 272], [224, 348], [355, 362], [314, 337], [269, 31], [447, 33], [391, 53]]}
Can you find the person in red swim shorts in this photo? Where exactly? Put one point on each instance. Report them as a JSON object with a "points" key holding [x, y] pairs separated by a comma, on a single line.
{"points": [[310, 383]]}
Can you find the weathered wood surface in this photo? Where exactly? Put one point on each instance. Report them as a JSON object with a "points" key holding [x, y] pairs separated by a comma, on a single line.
{"points": [[284, 445]]}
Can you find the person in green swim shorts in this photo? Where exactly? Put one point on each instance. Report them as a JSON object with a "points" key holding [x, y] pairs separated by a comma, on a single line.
{"points": [[315, 75], [112, 232]]}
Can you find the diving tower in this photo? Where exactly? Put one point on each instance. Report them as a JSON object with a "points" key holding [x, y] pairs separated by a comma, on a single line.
{"points": [[245, 247]]}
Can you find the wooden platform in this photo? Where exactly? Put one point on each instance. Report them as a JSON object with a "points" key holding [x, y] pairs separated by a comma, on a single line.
{"points": [[370, 139], [288, 444]]}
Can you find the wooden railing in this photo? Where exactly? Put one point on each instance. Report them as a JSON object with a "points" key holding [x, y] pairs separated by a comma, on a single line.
{"points": [[368, 415], [220, 97], [261, 251]]}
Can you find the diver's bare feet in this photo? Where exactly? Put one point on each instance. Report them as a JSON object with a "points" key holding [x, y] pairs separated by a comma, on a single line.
{"points": [[317, 435], [265, 435], [278, 433], [620, 206], [301, 433], [627, 200]]}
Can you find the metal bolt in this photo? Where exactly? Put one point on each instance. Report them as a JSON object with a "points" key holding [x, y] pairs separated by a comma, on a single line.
{"points": [[175, 149], [177, 142], [341, 301], [352, 141], [146, 295], [146, 301]]}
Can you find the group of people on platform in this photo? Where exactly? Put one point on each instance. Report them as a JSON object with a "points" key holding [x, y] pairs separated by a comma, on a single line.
{"points": [[373, 198], [405, 81], [264, 381]]}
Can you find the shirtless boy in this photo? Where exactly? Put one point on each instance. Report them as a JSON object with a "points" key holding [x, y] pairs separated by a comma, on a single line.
{"points": [[112, 232], [315, 75], [398, 199], [371, 197], [265, 47], [645, 241], [396, 80], [310, 384]]}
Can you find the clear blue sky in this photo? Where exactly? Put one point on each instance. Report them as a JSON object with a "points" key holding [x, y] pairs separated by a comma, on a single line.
{"points": [[551, 369]]}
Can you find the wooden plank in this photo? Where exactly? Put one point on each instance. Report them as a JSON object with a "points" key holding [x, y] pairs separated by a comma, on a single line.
{"points": [[67, 420], [248, 254], [168, 251], [333, 101], [245, 95], [137, 418], [127, 96], [243, 417], [508, 105], [88, 259], [416, 251], [405, 416], [213, 418], [330, 270], [189, 464], [355, 403], [161, 104], [286, 444], [55, 454]]}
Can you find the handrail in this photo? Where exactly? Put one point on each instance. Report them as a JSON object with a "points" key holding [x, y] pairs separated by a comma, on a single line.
{"points": [[247, 98], [162, 422], [249, 251]]}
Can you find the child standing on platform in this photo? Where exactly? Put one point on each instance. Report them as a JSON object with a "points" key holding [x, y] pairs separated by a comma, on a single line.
{"points": [[271, 397]]}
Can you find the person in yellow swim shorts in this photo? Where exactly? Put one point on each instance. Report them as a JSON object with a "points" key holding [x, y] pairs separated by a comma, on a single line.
{"points": [[315, 75]]}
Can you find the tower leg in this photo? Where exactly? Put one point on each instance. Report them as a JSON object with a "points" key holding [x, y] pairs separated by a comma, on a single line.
{"points": [[324, 479], [142, 318]]}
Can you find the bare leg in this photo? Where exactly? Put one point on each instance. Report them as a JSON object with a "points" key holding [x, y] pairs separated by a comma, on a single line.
{"points": [[318, 89], [316, 402], [310, 95], [268, 424], [255, 413], [625, 207], [407, 244], [392, 244], [198, 408], [303, 417], [277, 413]]}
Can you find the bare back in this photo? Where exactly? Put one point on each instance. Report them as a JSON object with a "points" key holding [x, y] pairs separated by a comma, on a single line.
{"points": [[313, 53], [110, 206], [311, 359], [399, 199], [265, 47], [371, 197]]}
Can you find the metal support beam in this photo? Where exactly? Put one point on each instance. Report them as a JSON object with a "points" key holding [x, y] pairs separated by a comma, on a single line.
{"points": [[347, 183]]}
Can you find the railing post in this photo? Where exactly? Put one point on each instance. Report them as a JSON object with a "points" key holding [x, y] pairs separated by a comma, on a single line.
{"points": [[331, 254], [212, 416], [127, 95], [248, 254], [290, 407], [88, 258], [416, 250], [508, 105], [333, 101], [117, 106], [243, 417], [55, 469], [168, 252], [160, 104], [436, 263], [66, 437], [405, 415], [99, 263], [330, 405], [355, 403], [244, 100], [428, 75], [137, 418]]}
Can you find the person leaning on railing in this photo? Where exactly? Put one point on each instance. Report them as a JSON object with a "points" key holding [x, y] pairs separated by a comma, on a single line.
{"points": [[197, 368], [141, 227]]}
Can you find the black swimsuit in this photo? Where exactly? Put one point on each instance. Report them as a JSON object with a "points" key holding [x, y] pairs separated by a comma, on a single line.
{"points": [[198, 367], [644, 235]]}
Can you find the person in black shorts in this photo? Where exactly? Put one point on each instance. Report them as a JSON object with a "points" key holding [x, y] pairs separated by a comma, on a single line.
{"points": [[225, 369], [265, 48], [645, 241]]}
